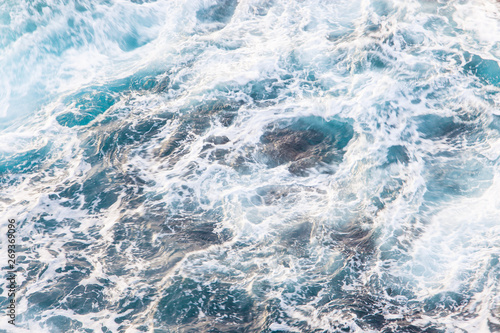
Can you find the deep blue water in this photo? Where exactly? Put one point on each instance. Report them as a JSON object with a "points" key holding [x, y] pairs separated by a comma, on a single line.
{"points": [[251, 166]]}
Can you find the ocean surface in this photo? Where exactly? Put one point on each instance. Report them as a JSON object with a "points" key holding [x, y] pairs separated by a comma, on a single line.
{"points": [[251, 166]]}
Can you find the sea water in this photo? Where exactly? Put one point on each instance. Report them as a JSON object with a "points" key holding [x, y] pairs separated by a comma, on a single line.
{"points": [[251, 166]]}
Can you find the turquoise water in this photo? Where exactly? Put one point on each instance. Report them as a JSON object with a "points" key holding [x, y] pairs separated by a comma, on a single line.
{"points": [[251, 166]]}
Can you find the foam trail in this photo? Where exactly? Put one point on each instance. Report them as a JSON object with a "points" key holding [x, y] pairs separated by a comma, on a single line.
{"points": [[251, 166]]}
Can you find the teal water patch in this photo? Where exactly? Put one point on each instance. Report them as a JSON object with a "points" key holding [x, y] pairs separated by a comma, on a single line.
{"points": [[86, 107], [398, 154], [89, 103], [487, 70], [445, 302], [25, 162]]}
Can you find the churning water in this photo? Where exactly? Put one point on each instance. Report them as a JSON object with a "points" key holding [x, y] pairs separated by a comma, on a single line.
{"points": [[251, 166]]}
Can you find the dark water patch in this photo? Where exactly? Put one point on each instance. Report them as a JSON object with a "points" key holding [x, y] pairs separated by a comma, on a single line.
{"points": [[271, 312], [227, 118], [375, 57], [223, 305], [296, 239], [241, 160], [376, 61], [487, 70], [376, 321], [395, 290], [215, 17], [470, 114], [203, 233], [418, 92], [172, 147], [128, 134], [107, 150], [377, 202], [43, 223], [192, 230], [35, 269], [494, 327], [444, 302], [60, 323], [67, 195], [134, 305], [390, 293], [220, 12], [154, 81], [86, 299], [261, 288], [355, 238], [218, 154], [109, 144], [264, 90], [397, 154], [286, 145], [435, 127], [218, 140], [243, 164], [156, 84], [328, 295], [101, 190], [116, 261], [137, 232], [305, 143], [364, 307], [188, 230], [75, 246], [67, 279], [196, 230], [69, 192]]}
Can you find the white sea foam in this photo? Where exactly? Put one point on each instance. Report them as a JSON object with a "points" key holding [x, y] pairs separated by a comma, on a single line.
{"points": [[392, 70]]}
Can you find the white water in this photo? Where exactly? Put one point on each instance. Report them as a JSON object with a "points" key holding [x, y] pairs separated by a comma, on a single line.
{"points": [[395, 71]]}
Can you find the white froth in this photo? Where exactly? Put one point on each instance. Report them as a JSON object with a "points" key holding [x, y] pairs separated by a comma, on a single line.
{"points": [[445, 247]]}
